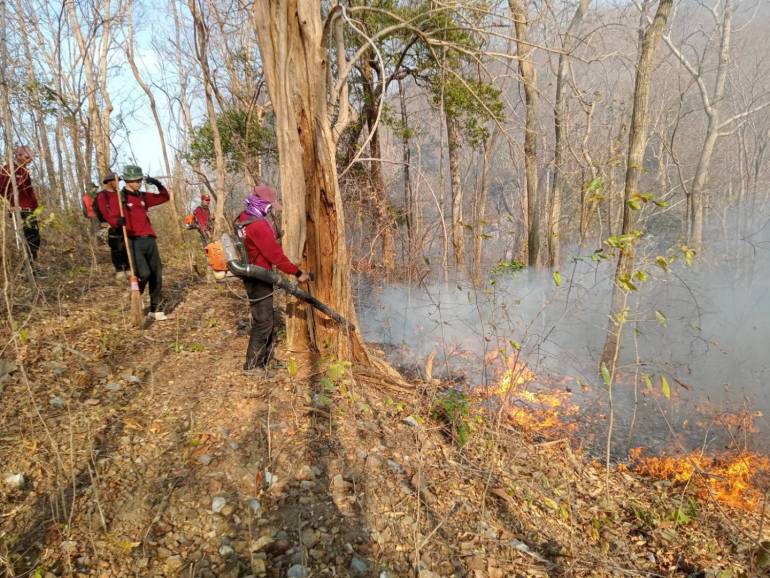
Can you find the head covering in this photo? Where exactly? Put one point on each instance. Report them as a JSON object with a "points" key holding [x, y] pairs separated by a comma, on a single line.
{"points": [[109, 176], [132, 173], [205, 197], [257, 207], [267, 193]]}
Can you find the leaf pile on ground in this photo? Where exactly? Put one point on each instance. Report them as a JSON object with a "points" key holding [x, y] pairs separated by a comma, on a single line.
{"points": [[150, 453]]}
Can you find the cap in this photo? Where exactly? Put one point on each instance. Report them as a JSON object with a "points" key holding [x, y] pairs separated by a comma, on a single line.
{"points": [[268, 193], [108, 177]]}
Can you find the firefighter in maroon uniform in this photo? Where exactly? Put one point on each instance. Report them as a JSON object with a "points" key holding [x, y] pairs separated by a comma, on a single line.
{"points": [[141, 235], [22, 157], [109, 211], [202, 217], [263, 250]]}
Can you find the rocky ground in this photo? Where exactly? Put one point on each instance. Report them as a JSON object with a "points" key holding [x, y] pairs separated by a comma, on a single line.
{"points": [[149, 453]]}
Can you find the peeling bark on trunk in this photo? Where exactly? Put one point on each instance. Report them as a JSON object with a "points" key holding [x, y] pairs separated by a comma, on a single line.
{"points": [[295, 60], [637, 141]]}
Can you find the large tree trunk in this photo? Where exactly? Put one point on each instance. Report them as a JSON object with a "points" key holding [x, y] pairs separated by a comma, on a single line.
{"points": [[560, 144], [637, 141], [529, 80], [456, 190], [295, 60]]}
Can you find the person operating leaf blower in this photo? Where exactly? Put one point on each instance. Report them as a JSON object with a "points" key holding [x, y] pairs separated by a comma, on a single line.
{"points": [[263, 250]]}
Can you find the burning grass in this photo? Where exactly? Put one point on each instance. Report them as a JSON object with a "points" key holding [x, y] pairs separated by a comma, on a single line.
{"points": [[733, 479]]}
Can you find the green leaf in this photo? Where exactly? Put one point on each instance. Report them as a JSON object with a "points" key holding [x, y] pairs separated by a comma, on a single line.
{"points": [[647, 381], [681, 517], [662, 204], [634, 205], [665, 388], [557, 278], [24, 336], [594, 185], [292, 367], [662, 263], [549, 503], [641, 276], [662, 320], [606, 374]]}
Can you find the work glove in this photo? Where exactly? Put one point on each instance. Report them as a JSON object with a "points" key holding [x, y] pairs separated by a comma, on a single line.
{"points": [[154, 182], [121, 221]]}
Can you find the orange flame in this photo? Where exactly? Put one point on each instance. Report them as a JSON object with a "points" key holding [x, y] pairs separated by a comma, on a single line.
{"points": [[729, 478], [531, 411]]}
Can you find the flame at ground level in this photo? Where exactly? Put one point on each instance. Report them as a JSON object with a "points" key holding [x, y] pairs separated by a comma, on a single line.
{"points": [[730, 478]]}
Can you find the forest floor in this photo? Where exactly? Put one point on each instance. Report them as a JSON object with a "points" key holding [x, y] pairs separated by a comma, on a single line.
{"points": [[150, 453]]}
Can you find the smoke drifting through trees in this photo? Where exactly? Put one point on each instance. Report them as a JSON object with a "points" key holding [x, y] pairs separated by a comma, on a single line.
{"points": [[501, 126]]}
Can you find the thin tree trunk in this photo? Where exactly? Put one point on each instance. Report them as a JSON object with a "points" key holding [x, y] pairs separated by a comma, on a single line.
{"points": [[529, 80], [479, 213], [201, 49], [153, 108], [406, 158], [560, 145], [456, 190], [637, 141], [102, 156], [381, 205]]}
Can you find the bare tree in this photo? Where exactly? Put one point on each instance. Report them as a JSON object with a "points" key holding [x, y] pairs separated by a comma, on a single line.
{"points": [[529, 80], [637, 142]]}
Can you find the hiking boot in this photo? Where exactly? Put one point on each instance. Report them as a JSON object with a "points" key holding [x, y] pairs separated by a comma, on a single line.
{"points": [[157, 315], [119, 277]]}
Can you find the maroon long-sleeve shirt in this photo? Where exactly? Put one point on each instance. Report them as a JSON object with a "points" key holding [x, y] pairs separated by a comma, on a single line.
{"points": [[134, 210], [262, 246], [27, 197], [203, 218]]}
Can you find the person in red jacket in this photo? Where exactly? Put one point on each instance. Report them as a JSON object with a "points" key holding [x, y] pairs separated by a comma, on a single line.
{"points": [[202, 217], [22, 157], [263, 250], [141, 235], [107, 203]]}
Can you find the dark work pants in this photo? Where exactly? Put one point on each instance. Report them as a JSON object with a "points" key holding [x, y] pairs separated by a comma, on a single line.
{"points": [[118, 251], [31, 232], [149, 269], [261, 339]]}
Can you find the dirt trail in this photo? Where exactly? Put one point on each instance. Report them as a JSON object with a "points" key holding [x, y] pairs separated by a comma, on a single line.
{"points": [[150, 453]]}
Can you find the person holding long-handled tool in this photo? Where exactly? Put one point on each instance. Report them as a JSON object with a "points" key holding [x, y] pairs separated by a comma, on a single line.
{"points": [[144, 256]]}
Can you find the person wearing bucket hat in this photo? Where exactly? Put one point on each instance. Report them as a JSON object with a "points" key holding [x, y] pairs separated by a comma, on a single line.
{"points": [[141, 236], [109, 212], [263, 250]]}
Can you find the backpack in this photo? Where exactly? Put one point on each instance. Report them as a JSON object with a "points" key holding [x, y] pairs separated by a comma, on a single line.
{"points": [[240, 236], [97, 212]]}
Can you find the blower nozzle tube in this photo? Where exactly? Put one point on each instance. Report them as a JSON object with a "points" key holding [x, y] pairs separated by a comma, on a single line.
{"points": [[237, 267]]}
